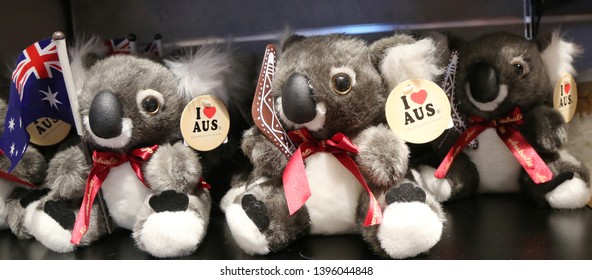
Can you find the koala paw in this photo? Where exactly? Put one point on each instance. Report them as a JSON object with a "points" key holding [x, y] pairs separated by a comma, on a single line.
{"points": [[171, 234], [571, 194], [173, 167], [170, 201], [406, 192], [245, 231], [409, 228], [58, 210], [383, 156]]}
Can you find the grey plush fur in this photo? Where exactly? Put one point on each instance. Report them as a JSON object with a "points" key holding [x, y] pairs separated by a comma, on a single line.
{"points": [[32, 169], [359, 114], [543, 127], [172, 172]]}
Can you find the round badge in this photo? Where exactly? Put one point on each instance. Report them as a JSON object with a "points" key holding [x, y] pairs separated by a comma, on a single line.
{"points": [[418, 111], [565, 97], [205, 123], [48, 131]]}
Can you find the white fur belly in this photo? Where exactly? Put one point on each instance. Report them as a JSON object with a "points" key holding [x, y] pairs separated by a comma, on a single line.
{"points": [[124, 194], [498, 168], [335, 193]]}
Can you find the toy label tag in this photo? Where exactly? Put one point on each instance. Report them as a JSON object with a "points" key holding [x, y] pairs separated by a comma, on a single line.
{"points": [[565, 97], [48, 131], [418, 111], [205, 123]]}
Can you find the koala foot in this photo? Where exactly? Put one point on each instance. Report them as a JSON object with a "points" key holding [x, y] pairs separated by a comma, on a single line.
{"points": [[170, 228], [571, 194], [171, 234], [230, 197], [245, 231], [441, 189], [410, 227], [169, 201], [46, 229]]}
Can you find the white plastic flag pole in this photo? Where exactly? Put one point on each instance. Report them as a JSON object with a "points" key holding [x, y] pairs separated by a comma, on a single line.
{"points": [[60, 40]]}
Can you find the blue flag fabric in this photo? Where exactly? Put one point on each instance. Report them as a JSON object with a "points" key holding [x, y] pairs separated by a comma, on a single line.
{"points": [[37, 91]]}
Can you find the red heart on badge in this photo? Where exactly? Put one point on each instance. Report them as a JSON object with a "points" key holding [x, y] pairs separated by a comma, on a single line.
{"points": [[567, 87], [419, 97], [209, 111]]}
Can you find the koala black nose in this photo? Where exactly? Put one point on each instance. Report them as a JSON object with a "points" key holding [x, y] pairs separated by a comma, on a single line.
{"points": [[105, 115], [483, 82], [298, 103]]}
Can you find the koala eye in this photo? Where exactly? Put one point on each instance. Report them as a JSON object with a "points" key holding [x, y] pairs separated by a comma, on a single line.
{"points": [[149, 102], [342, 83], [519, 69], [150, 105]]}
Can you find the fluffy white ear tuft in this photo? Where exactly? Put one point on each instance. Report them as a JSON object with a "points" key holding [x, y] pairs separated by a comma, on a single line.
{"points": [[202, 72], [558, 57], [411, 61], [79, 57]]}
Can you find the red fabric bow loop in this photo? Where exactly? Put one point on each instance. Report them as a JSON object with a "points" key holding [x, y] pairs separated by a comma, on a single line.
{"points": [[296, 186], [507, 130]]}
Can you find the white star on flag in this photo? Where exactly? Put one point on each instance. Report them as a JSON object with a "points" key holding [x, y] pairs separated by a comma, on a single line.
{"points": [[11, 124], [51, 98], [21, 122], [24, 149], [12, 149]]}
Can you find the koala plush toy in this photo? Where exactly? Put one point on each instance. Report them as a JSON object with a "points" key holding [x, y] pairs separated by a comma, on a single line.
{"points": [[503, 84], [150, 180], [331, 91]]}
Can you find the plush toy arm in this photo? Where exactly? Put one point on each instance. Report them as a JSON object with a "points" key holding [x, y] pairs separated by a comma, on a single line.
{"points": [[32, 167], [67, 173], [545, 129], [383, 157], [267, 159], [173, 167]]}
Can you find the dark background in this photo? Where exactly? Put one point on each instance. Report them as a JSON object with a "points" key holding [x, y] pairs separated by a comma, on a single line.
{"points": [[483, 227]]}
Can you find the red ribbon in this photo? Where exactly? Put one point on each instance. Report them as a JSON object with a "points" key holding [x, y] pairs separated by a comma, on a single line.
{"points": [[296, 185], [102, 164], [506, 129], [12, 178]]}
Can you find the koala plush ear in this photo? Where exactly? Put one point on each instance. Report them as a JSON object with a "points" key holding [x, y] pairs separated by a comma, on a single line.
{"points": [[401, 57], [558, 55], [83, 55], [290, 40], [201, 72]]}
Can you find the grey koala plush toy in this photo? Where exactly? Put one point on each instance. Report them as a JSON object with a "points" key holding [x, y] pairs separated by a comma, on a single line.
{"points": [[503, 83], [151, 182], [331, 91]]}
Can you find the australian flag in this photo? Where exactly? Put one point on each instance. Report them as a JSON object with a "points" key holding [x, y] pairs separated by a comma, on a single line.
{"points": [[37, 91], [119, 46]]}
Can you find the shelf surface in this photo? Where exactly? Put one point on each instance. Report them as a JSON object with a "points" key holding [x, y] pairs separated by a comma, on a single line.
{"points": [[483, 227]]}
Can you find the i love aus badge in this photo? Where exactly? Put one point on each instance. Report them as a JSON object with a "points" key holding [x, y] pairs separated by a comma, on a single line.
{"points": [[418, 111], [205, 123]]}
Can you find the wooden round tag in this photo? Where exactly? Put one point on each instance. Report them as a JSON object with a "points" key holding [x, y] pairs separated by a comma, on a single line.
{"points": [[418, 111], [205, 123], [48, 131], [565, 97]]}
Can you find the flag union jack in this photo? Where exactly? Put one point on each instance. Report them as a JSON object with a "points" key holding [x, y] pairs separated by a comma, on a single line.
{"points": [[37, 91], [37, 59], [119, 46]]}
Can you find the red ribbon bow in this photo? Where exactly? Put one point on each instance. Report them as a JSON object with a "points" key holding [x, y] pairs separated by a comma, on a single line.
{"points": [[506, 129], [12, 178], [102, 164], [295, 182]]}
